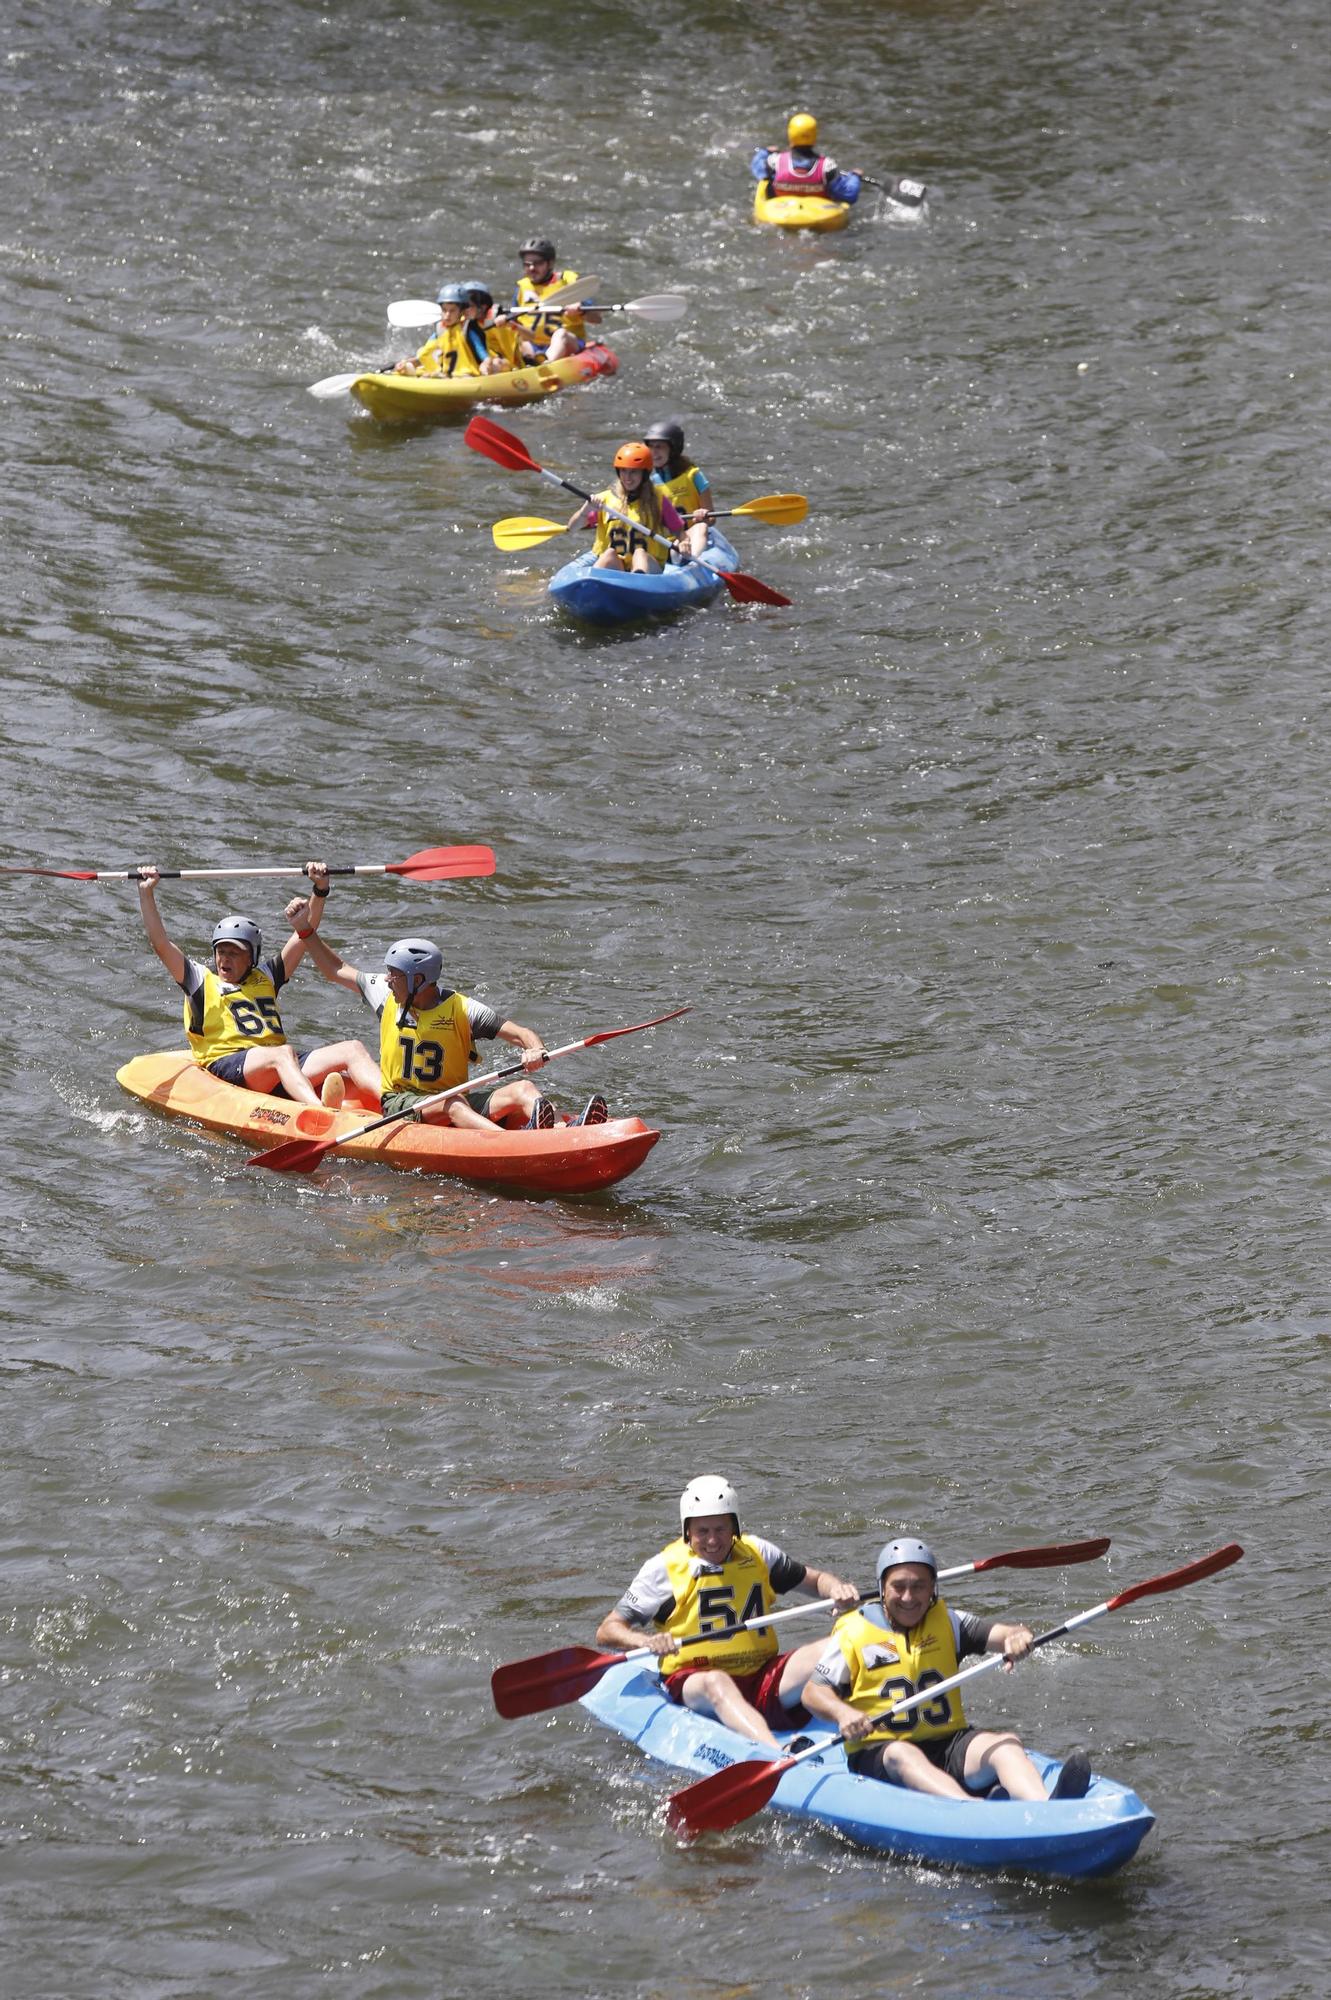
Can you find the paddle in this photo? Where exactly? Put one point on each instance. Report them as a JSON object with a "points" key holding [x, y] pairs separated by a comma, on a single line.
{"points": [[653, 305], [429, 864], [302, 1156], [729, 1796], [909, 193], [414, 313], [528, 531], [492, 441], [336, 385], [548, 1680]]}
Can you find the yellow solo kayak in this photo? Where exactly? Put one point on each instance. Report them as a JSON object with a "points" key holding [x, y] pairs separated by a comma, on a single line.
{"points": [[415, 399], [799, 211]]}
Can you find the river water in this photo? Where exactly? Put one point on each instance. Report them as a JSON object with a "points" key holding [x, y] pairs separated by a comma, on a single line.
{"points": [[992, 1192]]}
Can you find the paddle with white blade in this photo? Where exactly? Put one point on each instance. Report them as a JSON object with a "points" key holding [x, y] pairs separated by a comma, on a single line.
{"points": [[302, 1156], [493, 441], [410, 314], [728, 1796], [428, 864], [548, 1680]]}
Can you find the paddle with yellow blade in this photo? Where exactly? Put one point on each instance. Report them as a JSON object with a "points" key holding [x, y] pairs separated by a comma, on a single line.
{"points": [[302, 1156], [494, 442], [428, 864], [528, 531]]}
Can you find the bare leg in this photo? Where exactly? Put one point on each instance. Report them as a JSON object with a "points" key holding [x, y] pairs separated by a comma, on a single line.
{"points": [[645, 564], [998, 1753], [798, 1670], [350, 1059], [265, 1068], [697, 538], [520, 1097], [714, 1693], [608, 560], [906, 1764]]}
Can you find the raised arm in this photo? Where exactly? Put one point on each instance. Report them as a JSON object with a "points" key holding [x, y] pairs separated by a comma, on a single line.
{"points": [[305, 914], [172, 957]]}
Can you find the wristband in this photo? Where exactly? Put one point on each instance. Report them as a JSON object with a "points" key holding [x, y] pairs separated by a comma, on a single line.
{"points": [[302, 935], [318, 892]]}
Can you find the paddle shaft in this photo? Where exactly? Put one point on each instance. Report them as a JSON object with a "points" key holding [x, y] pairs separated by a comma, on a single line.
{"points": [[314, 1149], [436, 861]]}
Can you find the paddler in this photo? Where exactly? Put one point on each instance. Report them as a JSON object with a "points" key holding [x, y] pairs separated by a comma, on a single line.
{"points": [[626, 544], [680, 481], [908, 1642], [495, 340], [448, 351], [799, 168], [555, 333], [232, 1020], [713, 1580], [428, 1033]]}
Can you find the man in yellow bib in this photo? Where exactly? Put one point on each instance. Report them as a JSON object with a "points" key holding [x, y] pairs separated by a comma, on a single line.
{"points": [[708, 1585], [232, 1021], [428, 1033], [556, 333], [902, 1646]]}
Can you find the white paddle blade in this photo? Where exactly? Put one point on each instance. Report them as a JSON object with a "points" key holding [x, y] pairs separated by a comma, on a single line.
{"points": [[334, 385], [658, 305], [412, 313]]}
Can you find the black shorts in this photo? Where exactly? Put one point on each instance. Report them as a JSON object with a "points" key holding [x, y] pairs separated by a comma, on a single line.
{"points": [[945, 1753]]}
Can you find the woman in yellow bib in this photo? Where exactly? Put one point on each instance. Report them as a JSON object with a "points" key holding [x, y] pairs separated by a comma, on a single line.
{"points": [[902, 1646], [629, 544], [232, 1020], [705, 1587], [680, 481]]}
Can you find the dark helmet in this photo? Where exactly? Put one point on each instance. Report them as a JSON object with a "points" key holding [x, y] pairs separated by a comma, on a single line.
{"points": [[669, 431], [478, 294], [538, 246]]}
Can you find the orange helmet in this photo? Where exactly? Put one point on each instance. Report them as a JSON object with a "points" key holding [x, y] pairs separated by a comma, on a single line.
{"points": [[633, 458]]}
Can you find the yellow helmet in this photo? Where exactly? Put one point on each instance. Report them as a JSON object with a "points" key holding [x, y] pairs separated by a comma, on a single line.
{"points": [[802, 130]]}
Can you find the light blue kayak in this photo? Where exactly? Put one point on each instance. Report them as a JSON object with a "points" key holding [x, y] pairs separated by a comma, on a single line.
{"points": [[1069, 1837], [617, 596]]}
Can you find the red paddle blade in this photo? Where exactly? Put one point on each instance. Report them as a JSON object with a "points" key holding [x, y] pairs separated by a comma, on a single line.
{"points": [[748, 590], [65, 874], [1052, 1557], [525, 1687], [441, 864], [1175, 1579], [493, 441], [293, 1156], [610, 1034], [724, 1799]]}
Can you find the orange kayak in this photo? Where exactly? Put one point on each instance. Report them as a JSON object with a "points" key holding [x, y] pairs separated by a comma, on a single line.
{"points": [[568, 1159]]}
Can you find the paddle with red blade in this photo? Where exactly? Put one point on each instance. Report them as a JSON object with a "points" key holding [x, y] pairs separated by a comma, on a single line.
{"points": [[741, 1790], [548, 1680], [302, 1156], [494, 442], [428, 864]]}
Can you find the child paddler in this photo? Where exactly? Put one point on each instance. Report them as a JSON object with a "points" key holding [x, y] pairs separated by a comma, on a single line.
{"points": [[428, 1035], [232, 1020], [712, 1581], [497, 343], [908, 1642], [448, 351], [628, 544], [680, 481]]}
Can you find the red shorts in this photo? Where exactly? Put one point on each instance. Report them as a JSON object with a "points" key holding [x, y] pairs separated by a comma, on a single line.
{"points": [[762, 1689]]}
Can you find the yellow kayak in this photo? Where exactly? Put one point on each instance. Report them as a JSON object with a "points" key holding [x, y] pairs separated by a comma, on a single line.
{"points": [[415, 399], [799, 211]]}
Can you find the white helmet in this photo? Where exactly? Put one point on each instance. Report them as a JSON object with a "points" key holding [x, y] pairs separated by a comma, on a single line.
{"points": [[708, 1494]]}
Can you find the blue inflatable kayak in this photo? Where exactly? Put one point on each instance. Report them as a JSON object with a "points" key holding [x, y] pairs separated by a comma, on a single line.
{"points": [[615, 596], [1070, 1837]]}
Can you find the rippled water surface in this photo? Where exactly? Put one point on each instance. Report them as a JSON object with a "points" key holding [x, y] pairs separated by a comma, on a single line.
{"points": [[991, 1197]]}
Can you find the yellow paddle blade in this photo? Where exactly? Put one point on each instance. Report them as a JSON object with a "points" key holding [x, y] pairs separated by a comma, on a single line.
{"points": [[525, 531], [781, 509]]}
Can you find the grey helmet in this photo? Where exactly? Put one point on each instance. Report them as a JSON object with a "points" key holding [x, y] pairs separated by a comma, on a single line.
{"points": [[239, 930], [420, 963], [905, 1550], [451, 295]]}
